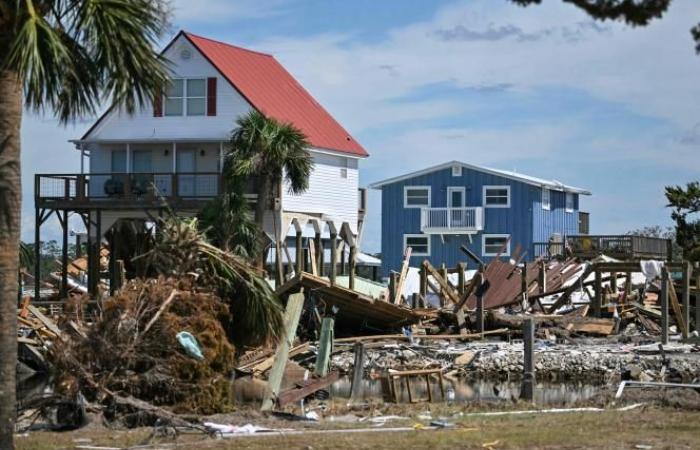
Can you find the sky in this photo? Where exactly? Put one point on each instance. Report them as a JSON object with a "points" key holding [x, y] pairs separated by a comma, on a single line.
{"points": [[544, 90]]}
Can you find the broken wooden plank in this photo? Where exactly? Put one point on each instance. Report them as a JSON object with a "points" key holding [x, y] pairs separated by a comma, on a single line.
{"points": [[48, 323], [445, 287], [292, 314], [402, 275], [307, 388], [676, 307]]}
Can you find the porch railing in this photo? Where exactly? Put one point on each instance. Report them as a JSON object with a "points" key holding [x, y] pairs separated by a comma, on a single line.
{"points": [[615, 246], [452, 220], [127, 186]]}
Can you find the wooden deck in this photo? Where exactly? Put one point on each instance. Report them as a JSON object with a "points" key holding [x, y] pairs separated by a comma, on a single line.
{"points": [[624, 247]]}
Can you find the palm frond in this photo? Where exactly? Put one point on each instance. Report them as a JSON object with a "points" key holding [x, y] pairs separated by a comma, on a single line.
{"points": [[26, 255], [181, 249], [68, 52]]}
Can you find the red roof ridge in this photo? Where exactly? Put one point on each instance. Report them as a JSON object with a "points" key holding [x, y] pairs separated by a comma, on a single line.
{"points": [[187, 33]]}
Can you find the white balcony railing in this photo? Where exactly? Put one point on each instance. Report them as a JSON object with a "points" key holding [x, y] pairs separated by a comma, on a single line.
{"points": [[452, 220]]}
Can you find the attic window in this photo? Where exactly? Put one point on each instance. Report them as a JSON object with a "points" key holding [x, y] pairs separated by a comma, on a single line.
{"points": [[186, 97], [456, 171]]}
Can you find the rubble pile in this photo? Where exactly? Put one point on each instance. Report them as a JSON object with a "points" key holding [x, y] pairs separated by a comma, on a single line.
{"points": [[135, 349]]}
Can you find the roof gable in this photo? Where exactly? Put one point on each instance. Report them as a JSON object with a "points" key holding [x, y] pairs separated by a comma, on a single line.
{"points": [[273, 91], [534, 181], [266, 86]]}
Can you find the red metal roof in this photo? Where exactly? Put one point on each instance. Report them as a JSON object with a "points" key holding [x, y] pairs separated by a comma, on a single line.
{"points": [[273, 91]]}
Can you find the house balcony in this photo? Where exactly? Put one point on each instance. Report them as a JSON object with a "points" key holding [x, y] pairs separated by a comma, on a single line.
{"points": [[128, 190], [465, 220]]}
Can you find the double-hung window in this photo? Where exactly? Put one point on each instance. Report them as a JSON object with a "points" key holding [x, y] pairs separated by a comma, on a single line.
{"points": [[497, 196], [416, 196], [491, 244], [546, 199], [569, 202], [186, 97], [196, 93], [419, 243]]}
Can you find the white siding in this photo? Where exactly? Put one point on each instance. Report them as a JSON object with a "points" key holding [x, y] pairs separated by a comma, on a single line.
{"points": [[329, 193], [142, 125]]}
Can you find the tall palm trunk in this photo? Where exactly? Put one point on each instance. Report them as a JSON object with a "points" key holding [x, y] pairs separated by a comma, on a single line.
{"points": [[10, 200], [261, 206]]}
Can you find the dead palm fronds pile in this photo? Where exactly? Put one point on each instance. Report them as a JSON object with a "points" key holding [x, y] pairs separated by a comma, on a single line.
{"points": [[180, 249], [132, 351]]}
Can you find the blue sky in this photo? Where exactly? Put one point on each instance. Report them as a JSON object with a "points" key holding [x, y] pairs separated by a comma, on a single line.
{"points": [[542, 90]]}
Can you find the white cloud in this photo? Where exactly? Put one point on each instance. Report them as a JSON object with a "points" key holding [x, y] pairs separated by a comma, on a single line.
{"points": [[217, 11], [651, 70]]}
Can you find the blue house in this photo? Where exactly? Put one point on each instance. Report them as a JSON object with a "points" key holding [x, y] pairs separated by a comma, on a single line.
{"points": [[436, 210]]}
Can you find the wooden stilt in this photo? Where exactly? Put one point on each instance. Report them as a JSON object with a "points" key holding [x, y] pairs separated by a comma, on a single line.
{"points": [[64, 253], [352, 266], [664, 306], [334, 258], [299, 253]]}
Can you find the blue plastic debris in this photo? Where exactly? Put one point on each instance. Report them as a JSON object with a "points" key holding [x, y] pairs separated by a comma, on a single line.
{"points": [[190, 344]]}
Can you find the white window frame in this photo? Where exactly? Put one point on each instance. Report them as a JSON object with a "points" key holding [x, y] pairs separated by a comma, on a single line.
{"points": [[483, 244], [405, 197], [413, 252], [567, 196], [450, 190], [185, 97], [492, 186], [456, 171], [188, 97], [547, 206]]}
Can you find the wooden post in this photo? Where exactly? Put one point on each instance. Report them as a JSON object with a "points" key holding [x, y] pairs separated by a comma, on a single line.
{"points": [[37, 255], [279, 268], [542, 277], [325, 347], [334, 258], [119, 274], [356, 390], [480, 315], [64, 253], [528, 386], [96, 251], [523, 283], [295, 305], [342, 260], [112, 264], [664, 306], [628, 284], [393, 281], [697, 302], [402, 275], [423, 289], [352, 267], [312, 257], [318, 247], [461, 284], [299, 254], [687, 274], [613, 282], [598, 299]]}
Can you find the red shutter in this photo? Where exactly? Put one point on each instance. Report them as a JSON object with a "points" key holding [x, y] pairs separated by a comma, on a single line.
{"points": [[158, 105], [211, 96]]}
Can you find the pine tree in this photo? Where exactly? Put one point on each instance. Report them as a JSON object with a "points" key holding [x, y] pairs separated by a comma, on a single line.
{"points": [[686, 204]]}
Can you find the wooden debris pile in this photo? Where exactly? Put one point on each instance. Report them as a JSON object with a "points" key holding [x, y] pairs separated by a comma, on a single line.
{"points": [[132, 352]]}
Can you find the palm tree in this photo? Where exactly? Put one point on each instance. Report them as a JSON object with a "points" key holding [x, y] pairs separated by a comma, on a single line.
{"points": [[63, 56], [272, 152]]}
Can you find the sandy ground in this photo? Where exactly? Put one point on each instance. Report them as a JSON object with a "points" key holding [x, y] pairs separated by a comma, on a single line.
{"points": [[668, 419]]}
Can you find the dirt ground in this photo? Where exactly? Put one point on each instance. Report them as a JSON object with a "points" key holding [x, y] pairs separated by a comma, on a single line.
{"points": [[665, 421]]}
